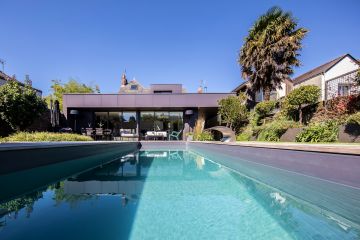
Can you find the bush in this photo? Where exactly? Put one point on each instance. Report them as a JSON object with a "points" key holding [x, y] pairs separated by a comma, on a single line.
{"points": [[19, 105], [261, 110], [354, 119], [274, 130], [44, 137], [264, 108], [319, 132], [233, 111], [245, 135], [204, 136], [303, 95]]}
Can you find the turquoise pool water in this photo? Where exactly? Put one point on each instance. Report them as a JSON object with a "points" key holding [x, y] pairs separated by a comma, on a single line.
{"points": [[162, 195]]}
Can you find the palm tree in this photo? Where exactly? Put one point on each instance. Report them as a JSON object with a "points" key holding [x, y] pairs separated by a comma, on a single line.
{"points": [[271, 50]]}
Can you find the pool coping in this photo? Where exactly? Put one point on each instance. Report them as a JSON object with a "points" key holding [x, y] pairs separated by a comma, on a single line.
{"points": [[323, 147], [304, 147]]}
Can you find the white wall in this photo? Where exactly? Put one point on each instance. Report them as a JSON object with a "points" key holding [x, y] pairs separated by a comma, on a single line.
{"points": [[344, 66], [281, 92]]}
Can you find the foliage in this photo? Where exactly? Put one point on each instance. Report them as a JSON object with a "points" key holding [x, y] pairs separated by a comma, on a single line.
{"points": [[72, 86], [61, 196], [337, 109], [27, 201], [303, 95], [354, 119], [357, 77], [270, 50], [232, 110], [44, 137], [245, 135], [19, 105], [319, 132], [204, 136], [263, 109], [274, 130]]}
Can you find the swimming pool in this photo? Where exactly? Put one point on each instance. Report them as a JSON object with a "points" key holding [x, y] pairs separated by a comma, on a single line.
{"points": [[163, 195]]}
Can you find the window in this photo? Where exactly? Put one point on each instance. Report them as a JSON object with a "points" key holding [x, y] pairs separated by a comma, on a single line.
{"points": [[343, 89], [163, 92], [101, 120], [134, 87], [129, 121]]}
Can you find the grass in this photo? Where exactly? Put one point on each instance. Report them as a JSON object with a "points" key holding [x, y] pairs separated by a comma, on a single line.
{"points": [[44, 137]]}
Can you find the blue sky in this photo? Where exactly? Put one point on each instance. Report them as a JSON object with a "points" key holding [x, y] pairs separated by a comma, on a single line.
{"points": [[177, 41]]}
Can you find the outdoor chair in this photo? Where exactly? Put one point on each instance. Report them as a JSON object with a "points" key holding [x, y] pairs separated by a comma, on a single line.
{"points": [[175, 135], [99, 133], [89, 132], [107, 134]]}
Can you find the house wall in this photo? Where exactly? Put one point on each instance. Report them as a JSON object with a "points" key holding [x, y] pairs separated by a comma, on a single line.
{"points": [[2, 82], [317, 81], [344, 66]]}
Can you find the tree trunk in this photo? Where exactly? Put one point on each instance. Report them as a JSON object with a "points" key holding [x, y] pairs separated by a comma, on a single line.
{"points": [[267, 91], [300, 114]]}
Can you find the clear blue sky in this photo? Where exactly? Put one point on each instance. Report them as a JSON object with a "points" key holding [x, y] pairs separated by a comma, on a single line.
{"points": [[169, 41]]}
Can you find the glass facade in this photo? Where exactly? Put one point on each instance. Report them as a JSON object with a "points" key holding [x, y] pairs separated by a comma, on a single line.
{"points": [[162, 123], [116, 124]]}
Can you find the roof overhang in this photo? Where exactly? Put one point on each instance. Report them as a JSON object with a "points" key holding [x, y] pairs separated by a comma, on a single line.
{"points": [[141, 101]]}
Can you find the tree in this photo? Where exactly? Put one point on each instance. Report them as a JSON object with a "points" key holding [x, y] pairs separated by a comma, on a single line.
{"points": [[263, 109], [232, 110], [270, 50], [19, 105], [72, 86], [301, 96]]}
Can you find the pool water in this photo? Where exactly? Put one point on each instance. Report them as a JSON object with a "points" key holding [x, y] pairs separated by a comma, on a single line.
{"points": [[163, 195]]}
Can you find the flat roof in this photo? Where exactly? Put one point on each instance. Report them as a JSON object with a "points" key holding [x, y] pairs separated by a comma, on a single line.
{"points": [[146, 100]]}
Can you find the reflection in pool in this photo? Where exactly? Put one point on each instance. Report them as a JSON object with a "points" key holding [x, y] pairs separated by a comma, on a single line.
{"points": [[162, 195]]}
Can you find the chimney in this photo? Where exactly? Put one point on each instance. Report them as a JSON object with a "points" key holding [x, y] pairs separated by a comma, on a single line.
{"points": [[124, 81]]}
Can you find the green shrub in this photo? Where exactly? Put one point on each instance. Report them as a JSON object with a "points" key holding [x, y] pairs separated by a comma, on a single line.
{"points": [[244, 135], [274, 130], [261, 111], [264, 108], [354, 119], [233, 111], [204, 136], [303, 95], [319, 132], [44, 137]]}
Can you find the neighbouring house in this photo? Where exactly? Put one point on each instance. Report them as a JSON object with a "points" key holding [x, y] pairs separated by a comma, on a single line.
{"points": [[255, 97], [4, 78], [142, 113], [334, 78]]}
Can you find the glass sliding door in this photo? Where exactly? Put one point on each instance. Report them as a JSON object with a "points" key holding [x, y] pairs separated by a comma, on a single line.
{"points": [[146, 122], [115, 121], [101, 120], [176, 122], [129, 122], [161, 121]]}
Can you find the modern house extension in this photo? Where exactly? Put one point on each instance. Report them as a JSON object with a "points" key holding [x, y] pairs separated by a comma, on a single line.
{"points": [[162, 111]]}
